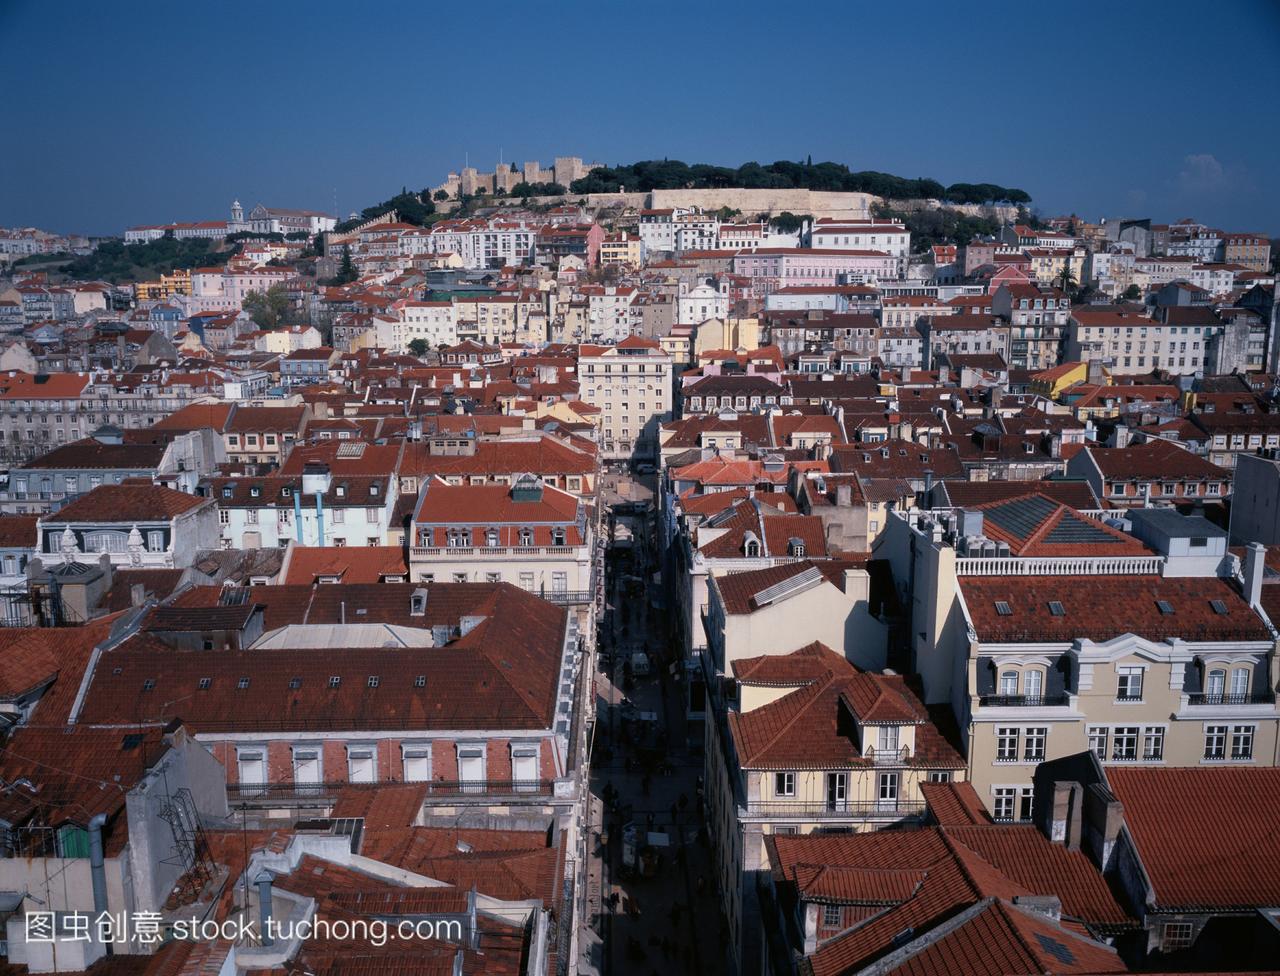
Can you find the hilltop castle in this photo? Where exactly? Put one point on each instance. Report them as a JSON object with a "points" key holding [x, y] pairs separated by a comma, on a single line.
{"points": [[470, 181]]}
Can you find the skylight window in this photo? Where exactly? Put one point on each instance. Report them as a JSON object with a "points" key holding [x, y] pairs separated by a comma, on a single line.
{"points": [[204, 684], [334, 681], [420, 681], [242, 683], [148, 684], [1164, 606], [1056, 608], [1219, 607], [374, 681], [295, 683], [1003, 608]]}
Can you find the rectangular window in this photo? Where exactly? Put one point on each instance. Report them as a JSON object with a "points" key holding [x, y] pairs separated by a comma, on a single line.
{"points": [[1176, 935], [1215, 742], [1006, 744], [1242, 742], [471, 768], [524, 767], [939, 776], [306, 766], [1153, 743], [1098, 741], [1025, 797], [887, 741], [1006, 798], [362, 766], [784, 784], [251, 770], [832, 916], [888, 790], [417, 763], [1128, 684], [1124, 742], [1034, 743]]}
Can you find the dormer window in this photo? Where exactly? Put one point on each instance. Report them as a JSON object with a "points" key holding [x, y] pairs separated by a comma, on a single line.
{"points": [[373, 488], [227, 492], [526, 537], [491, 538], [255, 491], [795, 548], [340, 491], [557, 537]]}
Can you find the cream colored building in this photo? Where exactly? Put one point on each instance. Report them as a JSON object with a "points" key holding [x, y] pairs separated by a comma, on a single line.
{"points": [[810, 743], [632, 385], [726, 333], [1162, 658], [622, 249]]}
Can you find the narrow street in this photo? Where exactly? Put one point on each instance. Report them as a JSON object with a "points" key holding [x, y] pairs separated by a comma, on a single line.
{"points": [[652, 904]]}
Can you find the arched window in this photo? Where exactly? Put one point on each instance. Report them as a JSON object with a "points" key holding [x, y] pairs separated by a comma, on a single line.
{"points": [[1008, 682], [491, 538], [1033, 683], [1215, 682], [752, 549], [526, 537], [1240, 681]]}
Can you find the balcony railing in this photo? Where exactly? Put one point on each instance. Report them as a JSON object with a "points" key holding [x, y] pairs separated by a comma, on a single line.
{"points": [[566, 598], [1058, 566], [1023, 701], [322, 794], [835, 809], [1263, 698], [491, 552]]}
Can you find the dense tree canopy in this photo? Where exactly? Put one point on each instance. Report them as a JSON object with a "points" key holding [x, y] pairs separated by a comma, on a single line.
{"points": [[930, 227], [525, 190], [268, 309], [671, 174], [410, 208], [118, 262]]}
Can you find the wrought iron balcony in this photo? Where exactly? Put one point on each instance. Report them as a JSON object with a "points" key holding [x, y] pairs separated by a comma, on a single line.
{"points": [[834, 809], [323, 794], [1264, 698], [1023, 701]]}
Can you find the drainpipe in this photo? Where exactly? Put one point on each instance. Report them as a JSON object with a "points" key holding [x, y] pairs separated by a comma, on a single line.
{"points": [[263, 881], [97, 867], [319, 519], [297, 515]]}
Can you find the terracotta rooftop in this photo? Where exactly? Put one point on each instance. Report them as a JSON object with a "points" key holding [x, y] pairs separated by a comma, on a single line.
{"points": [[128, 503], [1018, 609], [1176, 819]]}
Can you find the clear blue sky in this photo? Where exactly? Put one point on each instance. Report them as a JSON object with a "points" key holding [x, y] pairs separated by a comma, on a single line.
{"points": [[142, 112]]}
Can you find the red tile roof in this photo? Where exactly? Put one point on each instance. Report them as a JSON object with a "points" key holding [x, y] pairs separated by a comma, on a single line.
{"points": [[1155, 459], [351, 564], [1176, 818], [503, 673], [128, 503], [1101, 608], [806, 729]]}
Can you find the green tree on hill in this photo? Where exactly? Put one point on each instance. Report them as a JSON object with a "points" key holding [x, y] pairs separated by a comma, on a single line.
{"points": [[268, 309]]}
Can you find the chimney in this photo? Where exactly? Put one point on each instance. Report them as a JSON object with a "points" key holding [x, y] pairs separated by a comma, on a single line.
{"points": [[1254, 568], [97, 864], [137, 594], [263, 881], [1062, 819]]}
